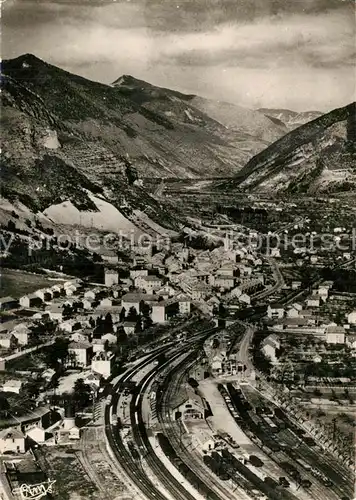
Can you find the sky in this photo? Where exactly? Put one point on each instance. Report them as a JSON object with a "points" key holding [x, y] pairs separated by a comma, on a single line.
{"points": [[295, 54]]}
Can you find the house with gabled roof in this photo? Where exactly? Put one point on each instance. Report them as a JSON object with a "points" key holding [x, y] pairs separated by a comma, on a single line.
{"points": [[7, 303], [30, 300], [12, 440]]}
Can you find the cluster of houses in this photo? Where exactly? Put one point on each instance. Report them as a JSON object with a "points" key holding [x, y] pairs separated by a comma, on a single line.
{"points": [[307, 319], [42, 426], [223, 361], [210, 277]]}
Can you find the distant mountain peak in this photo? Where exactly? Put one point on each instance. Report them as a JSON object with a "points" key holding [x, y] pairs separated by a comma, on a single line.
{"points": [[318, 156], [292, 119], [25, 59], [63, 133], [127, 80]]}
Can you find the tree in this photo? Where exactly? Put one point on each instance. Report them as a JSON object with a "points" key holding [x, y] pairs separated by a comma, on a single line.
{"points": [[67, 310], [72, 359], [147, 322], [138, 327], [222, 310], [216, 343], [132, 315], [81, 394], [11, 226], [144, 308], [57, 353], [121, 336], [4, 406], [122, 315], [108, 323]]}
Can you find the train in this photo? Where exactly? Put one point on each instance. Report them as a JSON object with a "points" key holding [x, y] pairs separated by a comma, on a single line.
{"points": [[303, 463], [271, 425], [184, 469]]}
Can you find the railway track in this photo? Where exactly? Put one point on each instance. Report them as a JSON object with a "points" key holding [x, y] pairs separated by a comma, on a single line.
{"points": [[171, 484], [340, 477], [133, 468], [195, 463], [131, 465]]}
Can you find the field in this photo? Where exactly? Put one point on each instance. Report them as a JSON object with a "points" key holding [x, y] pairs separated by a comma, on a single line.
{"points": [[18, 283], [72, 482]]}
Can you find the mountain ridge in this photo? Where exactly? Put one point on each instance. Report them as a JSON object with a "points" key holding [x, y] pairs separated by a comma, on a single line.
{"points": [[316, 157], [64, 135], [291, 119]]}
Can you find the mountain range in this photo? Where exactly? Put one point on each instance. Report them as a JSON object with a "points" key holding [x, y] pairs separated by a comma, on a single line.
{"points": [[69, 139], [291, 119], [318, 156], [65, 136]]}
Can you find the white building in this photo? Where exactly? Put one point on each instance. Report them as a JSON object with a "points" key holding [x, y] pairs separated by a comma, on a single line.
{"points": [[81, 352], [244, 298], [313, 301], [275, 311], [12, 440], [184, 304], [22, 333], [55, 312], [134, 273], [293, 311], [90, 294], [335, 334], [31, 300], [191, 406], [270, 346], [148, 283], [351, 318], [103, 363], [12, 386], [110, 337], [111, 277], [351, 341], [8, 340], [107, 302], [158, 313], [37, 434], [45, 294], [224, 282]]}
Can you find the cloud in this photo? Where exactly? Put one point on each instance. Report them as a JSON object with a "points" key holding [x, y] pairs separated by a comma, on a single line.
{"points": [[285, 58]]}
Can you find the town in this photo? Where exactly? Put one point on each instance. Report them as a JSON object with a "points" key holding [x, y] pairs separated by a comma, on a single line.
{"points": [[245, 354]]}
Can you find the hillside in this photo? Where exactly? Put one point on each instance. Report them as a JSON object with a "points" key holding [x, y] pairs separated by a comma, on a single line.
{"points": [[291, 119], [66, 138], [316, 157]]}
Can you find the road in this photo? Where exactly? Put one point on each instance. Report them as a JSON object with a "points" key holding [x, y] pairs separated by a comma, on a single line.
{"points": [[279, 281]]}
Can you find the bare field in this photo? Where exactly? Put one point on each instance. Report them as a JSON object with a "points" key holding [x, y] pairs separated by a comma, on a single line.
{"points": [[18, 283]]}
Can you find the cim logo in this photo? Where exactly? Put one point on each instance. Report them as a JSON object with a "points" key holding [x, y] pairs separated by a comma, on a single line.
{"points": [[34, 491]]}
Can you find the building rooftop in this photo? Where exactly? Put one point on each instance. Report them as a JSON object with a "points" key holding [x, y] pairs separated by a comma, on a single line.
{"points": [[335, 329], [7, 335], [11, 433], [5, 300], [137, 297], [13, 383], [79, 345], [276, 305]]}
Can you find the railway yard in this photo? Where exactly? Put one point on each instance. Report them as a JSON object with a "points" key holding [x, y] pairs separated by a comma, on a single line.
{"points": [[251, 448]]}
